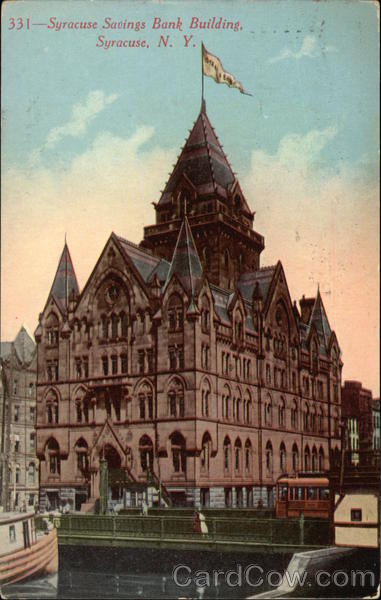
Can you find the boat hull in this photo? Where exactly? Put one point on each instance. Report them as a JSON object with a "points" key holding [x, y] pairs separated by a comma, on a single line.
{"points": [[38, 560]]}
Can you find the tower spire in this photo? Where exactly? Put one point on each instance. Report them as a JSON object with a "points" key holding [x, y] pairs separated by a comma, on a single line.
{"points": [[185, 261], [65, 280]]}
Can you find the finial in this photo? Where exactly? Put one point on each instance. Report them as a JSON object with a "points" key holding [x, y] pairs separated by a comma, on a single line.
{"points": [[203, 106]]}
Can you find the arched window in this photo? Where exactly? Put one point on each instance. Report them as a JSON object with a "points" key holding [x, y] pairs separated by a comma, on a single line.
{"points": [[306, 418], [86, 405], [175, 313], [176, 399], [239, 408], [145, 401], [82, 452], [178, 453], [146, 453], [114, 327], [248, 456], [227, 452], [104, 327], [320, 420], [294, 415], [225, 402], [268, 411], [282, 457], [205, 452], [52, 407], [238, 326], [295, 458], [237, 455], [205, 314], [52, 330], [269, 458], [78, 409], [205, 399], [313, 419], [53, 457], [321, 459], [307, 459], [314, 459], [123, 324], [247, 408], [281, 412]]}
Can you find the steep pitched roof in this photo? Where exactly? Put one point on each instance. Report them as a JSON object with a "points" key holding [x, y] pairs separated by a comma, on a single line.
{"points": [[65, 280], [185, 263], [248, 281], [5, 349], [320, 320], [221, 300], [145, 263], [24, 346], [202, 161]]}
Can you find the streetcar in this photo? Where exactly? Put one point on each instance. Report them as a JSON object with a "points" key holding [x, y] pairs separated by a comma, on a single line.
{"points": [[307, 495]]}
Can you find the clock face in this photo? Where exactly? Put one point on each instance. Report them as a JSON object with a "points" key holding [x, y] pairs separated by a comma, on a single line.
{"points": [[112, 293]]}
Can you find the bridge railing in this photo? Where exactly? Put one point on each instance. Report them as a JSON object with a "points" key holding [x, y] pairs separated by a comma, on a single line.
{"points": [[267, 531]]}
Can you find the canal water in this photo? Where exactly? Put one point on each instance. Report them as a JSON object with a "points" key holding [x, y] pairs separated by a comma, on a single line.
{"points": [[91, 572]]}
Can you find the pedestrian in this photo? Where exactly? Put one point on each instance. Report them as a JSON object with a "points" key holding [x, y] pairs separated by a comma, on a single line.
{"points": [[203, 525], [196, 523]]}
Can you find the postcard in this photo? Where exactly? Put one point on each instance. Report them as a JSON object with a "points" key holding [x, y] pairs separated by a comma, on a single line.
{"points": [[189, 330]]}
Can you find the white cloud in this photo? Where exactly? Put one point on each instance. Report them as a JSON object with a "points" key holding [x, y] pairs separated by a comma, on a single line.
{"points": [[309, 48], [109, 187], [82, 114], [323, 223]]}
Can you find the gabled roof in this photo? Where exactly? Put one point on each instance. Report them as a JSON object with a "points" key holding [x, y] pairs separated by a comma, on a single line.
{"points": [[248, 281], [221, 300], [203, 162], [320, 320], [24, 346], [65, 280], [185, 262], [145, 263]]}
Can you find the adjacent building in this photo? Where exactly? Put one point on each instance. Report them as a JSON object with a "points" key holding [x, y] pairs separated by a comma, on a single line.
{"points": [[183, 360], [19, 464], [357, 411]]}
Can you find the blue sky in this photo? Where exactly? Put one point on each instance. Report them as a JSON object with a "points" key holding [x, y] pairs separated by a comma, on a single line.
{"points": [[90, 135]]}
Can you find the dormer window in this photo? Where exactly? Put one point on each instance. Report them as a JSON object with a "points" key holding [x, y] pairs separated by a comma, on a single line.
{"points": [[52, 330], [175, 313]]}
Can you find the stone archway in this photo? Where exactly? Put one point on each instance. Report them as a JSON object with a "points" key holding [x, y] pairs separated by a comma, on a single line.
{"points": [[115, 473]]}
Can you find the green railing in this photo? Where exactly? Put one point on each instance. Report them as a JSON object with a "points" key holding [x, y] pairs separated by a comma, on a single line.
{"points": [[290, 532]]}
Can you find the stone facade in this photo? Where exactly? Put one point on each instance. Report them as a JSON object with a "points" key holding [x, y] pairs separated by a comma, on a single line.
{"points": [[19, 464], [183, 358]]}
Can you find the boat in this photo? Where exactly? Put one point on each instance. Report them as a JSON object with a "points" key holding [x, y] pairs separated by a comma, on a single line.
{"points": [[27, 550]]}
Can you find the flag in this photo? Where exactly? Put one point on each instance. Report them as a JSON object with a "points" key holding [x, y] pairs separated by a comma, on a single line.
{"points": [[212, 67]]}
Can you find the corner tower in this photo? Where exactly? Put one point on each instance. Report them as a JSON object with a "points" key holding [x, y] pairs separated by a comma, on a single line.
{"points": [[203, 186]]}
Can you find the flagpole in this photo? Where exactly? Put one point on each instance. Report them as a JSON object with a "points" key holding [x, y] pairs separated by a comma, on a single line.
{"points": [[202, 75]]}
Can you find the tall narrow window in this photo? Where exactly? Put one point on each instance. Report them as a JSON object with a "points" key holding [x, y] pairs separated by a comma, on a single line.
{"points": [[123, 324], [105, 365], [114, 327], [123, 363], [227, 447]]}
